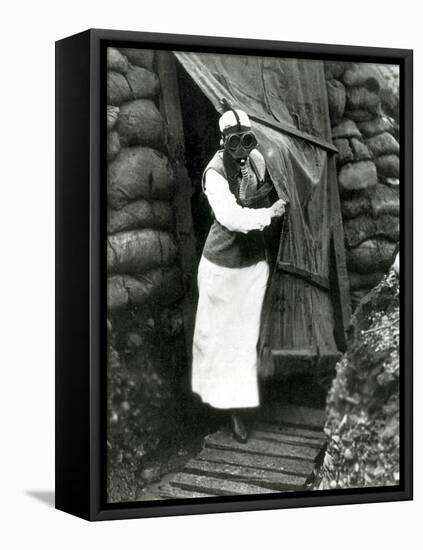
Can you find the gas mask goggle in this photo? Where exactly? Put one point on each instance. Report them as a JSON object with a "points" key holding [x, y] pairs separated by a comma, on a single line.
{"points": [[238, 138], [239, 144]]}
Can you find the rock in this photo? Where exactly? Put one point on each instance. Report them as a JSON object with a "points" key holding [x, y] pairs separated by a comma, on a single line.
{"points": [[363, 434], [151, 474]]}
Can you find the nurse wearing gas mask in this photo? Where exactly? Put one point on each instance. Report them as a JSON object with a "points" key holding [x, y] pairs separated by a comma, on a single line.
{"points": [[233, 273]]}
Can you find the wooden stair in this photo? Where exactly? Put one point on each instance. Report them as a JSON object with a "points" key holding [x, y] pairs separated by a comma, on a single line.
{"points": [[279, 456]]}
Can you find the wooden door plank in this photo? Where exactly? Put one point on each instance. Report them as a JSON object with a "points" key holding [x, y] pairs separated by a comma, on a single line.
{"points": [[215, 486], [264, 478], [222, 440]]}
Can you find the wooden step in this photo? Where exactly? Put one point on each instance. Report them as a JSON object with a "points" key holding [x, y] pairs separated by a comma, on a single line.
{"points": [[168, 491], [215, 486], [268, 463], [296, 415], [288, 429], [224, 440], [288, 438], [263, 478]]}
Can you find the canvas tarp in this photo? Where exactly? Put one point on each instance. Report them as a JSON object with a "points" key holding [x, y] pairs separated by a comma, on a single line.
{"points": [[287, 102]]}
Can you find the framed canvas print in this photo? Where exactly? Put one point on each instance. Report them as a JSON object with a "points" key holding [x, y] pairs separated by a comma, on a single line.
{"points": [[234, 274]]}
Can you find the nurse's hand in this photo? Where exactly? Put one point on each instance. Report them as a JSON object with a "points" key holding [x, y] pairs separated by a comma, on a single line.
{"points": [[278, 208]]}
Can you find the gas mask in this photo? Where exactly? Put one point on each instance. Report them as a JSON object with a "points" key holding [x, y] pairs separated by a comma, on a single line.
{"points": [[239, 144]]}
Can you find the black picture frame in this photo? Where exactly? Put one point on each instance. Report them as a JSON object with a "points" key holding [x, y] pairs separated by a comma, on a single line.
{"points": [[80, 267]]}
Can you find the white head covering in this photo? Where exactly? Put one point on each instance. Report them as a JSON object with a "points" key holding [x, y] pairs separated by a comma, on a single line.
{"points": [[228, 119]]}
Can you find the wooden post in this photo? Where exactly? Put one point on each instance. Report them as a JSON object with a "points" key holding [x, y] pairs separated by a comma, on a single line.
{"points": [[171, 111], [338, 244]]}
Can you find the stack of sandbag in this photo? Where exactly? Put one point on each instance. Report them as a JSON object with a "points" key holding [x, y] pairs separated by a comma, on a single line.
{"points": [[368, 169], [141, 247], [147, 359]]}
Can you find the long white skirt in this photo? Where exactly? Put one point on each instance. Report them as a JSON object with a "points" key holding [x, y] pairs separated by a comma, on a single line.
{"points": [[224, 369]]}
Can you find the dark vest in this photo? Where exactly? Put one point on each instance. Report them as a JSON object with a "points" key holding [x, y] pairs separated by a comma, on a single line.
{"points": [[231, 248]]}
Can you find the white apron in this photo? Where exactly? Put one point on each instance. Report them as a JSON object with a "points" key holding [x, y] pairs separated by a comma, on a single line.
{"points": [[224, 369]]}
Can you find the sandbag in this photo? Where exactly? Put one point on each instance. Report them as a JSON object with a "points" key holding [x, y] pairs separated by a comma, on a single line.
{"points": [[335, 69], [144, 84], [345, 153], [140, 123], [360, 150], [113, 145], [116, 61], [361, 228], [359, 115], [345, 129], [112, 116], [140, 250], [372, 255], [142, 58], [388, 165], [355, 206], [362, 75], [136, 83], [118, 89], [383, 144], [157, 287], [364, 281], [384, 200], [140, 213], [336, 100], [360, 98], [375, 126], [139, 172], [358, 175]]}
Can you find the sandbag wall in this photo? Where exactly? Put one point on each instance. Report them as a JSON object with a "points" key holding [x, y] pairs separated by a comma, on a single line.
{"points": [[363, 105], [145, 285]]}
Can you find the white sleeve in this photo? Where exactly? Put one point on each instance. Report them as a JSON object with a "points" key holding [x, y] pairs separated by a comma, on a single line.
{"points": [[227, 211]]}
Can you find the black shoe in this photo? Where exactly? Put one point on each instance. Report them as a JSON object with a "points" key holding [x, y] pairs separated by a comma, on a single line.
{"points": [[238, 428]]}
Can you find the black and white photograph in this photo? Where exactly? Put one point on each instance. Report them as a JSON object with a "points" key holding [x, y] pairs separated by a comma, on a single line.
{"points": [[253, 275]]}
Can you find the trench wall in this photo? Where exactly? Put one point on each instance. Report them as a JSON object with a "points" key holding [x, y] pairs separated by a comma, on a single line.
{"points": [[364, 110], [146, 349]]}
